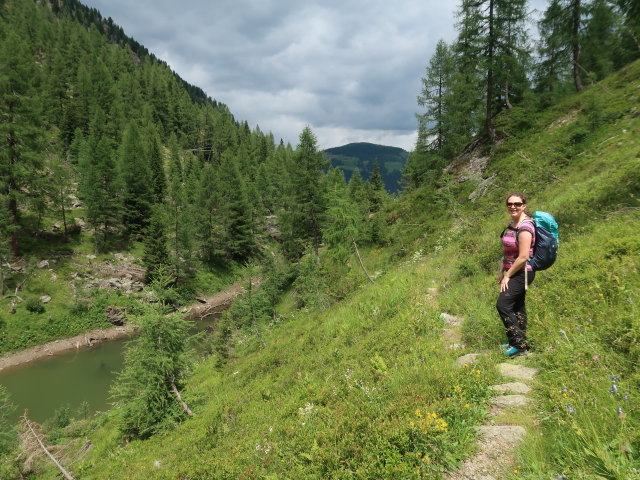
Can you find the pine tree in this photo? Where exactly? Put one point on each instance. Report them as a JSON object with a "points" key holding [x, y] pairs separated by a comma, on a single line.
{"points": [[240, 241], [99, 187], [305, 215], [20, 158], [343, 221], [561, 43], [134, 169], [156, 254], [493, 36], [209, 211], [147, 390], [375, 188], [433, 123]]}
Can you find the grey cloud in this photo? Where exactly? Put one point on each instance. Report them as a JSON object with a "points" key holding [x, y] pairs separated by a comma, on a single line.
{"points": [[338, 65]]}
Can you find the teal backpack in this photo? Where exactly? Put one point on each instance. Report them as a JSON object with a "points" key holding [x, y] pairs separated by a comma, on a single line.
{"points": [[545, 249]]}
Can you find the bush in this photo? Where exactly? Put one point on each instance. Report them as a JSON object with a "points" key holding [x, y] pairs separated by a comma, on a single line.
{"points": [[34, 305]]}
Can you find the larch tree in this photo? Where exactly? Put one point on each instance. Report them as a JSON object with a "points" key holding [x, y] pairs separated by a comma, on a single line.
{"points": [[20, 133], [306, 211], [137, 196]]}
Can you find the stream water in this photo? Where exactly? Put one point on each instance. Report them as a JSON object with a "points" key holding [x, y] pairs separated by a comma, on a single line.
{"points": [[69, 379]]}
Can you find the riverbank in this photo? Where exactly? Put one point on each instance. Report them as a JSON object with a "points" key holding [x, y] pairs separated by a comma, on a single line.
{"points": [[56, 347], [198, 310]]}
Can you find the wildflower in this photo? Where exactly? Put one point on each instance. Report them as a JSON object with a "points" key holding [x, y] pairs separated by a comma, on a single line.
{"points": [[565, 389], [563, 333], [626, 396], [614, 378], [570, 409], [614, 388], [619, 411]]}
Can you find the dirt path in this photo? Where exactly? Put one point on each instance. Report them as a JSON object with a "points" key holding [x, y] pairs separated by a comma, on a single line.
{"points": [[204, 307], [500, 437]]}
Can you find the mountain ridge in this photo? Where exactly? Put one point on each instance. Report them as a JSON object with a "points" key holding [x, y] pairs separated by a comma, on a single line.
{"points": [[363, 155]]}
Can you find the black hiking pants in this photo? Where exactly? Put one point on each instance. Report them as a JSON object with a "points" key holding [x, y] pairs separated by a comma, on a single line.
{"points": [[512, 309]]}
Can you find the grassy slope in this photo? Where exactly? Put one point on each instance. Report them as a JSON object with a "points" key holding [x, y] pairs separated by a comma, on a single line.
{"points": [[364, 388]]}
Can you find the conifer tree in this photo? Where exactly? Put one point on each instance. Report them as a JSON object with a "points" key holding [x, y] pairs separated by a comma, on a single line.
{"points": [[155, 159], [20, 132], [209, 221], [156, 254], [561, 41], [240, 241], [375, 188], [134, 169], [434, 123], [147, 390], [99, 187], [305, 215], [343, 220]]}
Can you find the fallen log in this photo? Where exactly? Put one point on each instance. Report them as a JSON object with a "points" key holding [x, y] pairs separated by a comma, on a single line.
{"points": [[30, 429]]}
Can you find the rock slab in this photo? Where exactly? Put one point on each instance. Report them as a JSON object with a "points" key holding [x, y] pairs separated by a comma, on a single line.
{"points": [[518, 372], [511, 401], [467, 359], [451, 320], [513, 387]]}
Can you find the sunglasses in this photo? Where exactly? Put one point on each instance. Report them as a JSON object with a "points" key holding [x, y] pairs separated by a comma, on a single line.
{"points": [[514, 204]]}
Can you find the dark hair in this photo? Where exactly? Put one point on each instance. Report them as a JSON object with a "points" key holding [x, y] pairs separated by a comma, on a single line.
{"points": [[522, 197]]}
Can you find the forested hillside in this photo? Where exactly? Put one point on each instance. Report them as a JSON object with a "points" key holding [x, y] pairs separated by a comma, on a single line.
{"points": [[360, 159], [106, 150], [339, 365]]}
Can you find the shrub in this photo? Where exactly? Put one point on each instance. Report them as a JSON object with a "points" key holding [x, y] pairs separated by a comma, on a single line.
{"points": [[34, 305]]}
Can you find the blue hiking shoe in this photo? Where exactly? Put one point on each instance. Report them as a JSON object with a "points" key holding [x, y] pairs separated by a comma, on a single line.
{"points": [[505, 346], [514, 352]]}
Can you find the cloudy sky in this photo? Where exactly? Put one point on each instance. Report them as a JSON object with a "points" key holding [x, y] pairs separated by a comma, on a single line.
{"points": [[350, 69]]}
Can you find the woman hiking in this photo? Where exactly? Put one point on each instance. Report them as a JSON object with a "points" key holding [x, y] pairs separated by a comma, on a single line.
{"points": [[515, 274]]}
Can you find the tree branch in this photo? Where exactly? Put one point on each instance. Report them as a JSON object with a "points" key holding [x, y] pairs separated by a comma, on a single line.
{"points": [[176, 392], [27, 422], [362, 263]]}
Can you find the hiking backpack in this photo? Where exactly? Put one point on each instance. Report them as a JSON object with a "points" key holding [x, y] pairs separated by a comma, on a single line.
{"points": [[545, 249]]}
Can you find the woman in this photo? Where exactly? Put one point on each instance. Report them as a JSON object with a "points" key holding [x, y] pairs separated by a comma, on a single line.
{"points": [[515, 274]]}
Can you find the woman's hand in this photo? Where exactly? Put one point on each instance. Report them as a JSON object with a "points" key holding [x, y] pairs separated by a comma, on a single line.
{"points": [[504, 284]]}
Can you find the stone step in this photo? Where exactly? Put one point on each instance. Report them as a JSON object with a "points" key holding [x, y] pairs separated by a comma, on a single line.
{"points": [[511, 401], [513, 387], [494, 456], [467, 359], [451, 320], [451, 334], [518, 372]]}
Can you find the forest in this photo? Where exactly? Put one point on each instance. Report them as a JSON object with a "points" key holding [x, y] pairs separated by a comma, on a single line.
{"points": [[334, 366]]}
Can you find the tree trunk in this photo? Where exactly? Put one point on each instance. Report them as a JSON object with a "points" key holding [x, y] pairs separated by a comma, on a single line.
{"points": [[575, 44], [27, 423], [362, 263], [488, 121], [176, 392]]}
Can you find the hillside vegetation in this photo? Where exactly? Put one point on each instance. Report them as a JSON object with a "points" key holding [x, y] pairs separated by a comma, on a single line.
{"points": [[363, 156], [360, 385]]}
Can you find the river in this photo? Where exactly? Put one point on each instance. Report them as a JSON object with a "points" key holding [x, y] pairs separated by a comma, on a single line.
{"points": [[69, 379]]}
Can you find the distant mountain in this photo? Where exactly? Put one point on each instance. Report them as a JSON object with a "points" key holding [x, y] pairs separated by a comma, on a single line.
{"points": [[363, 156]]}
